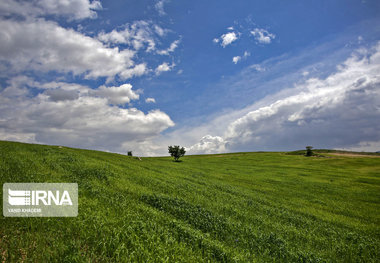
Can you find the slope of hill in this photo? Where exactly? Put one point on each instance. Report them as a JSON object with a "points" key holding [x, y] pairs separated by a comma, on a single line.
{"points": [[242, 207]]}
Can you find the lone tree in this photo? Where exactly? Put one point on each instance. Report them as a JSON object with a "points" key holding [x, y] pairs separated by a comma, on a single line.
{"points": [[309, 152], [176, 152]]}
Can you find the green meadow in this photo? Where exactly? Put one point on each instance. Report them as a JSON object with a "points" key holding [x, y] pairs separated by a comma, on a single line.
{"points": [[240, 207]]}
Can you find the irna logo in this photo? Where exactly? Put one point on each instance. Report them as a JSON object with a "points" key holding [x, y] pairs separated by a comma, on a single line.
{"points": [[19, 197], [40, 199]]}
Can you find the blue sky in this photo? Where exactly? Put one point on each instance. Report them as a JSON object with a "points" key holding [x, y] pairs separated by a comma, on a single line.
{"points": [[213, 76]]}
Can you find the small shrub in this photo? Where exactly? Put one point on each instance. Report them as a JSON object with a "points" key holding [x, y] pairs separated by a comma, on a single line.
{"points": [[309, 152]]}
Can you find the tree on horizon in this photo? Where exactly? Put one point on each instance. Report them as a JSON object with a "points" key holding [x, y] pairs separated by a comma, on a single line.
{"points": [[176, 152]]}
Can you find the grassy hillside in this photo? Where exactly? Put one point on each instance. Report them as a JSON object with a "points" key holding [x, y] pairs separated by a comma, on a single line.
{"points": [[243, 207]]}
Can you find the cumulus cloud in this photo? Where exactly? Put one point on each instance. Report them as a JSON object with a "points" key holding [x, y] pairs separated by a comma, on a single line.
{"points": [[228, 38], [85, 120], [164, 67], [236, 59], [117, 95], [74, 9], [207, 145], [262, 36], [150, 100], [34, 47], [45, 46], [169, 50], [137, 35], [339, 111]]}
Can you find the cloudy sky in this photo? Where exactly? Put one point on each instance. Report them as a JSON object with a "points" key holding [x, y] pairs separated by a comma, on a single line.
{"points": [[213, 76]]}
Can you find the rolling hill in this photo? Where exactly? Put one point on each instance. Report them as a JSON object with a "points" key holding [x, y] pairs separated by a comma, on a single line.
{"points": [[240, 207]]}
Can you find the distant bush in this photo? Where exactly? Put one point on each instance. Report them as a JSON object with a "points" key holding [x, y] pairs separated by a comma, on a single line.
{"points": [[309, 152], [130, 153], [176, 152]]}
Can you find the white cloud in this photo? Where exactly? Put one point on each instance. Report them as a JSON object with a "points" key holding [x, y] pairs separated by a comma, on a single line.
{"points": [[159, 6], [236, 59], [262, 36], [56, 112], [257, 68], [45, 46], [339, 111], [171, 49], [208, 144], [73, 9], [117, 95], [164, 67], [150, 100], [160, 31], [85, 121], [228, 38], [137, 70], [360, 39], [139, 34]]}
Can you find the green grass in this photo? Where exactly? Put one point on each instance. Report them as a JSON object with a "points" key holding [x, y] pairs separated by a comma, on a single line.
{"points": [[242, 207]]}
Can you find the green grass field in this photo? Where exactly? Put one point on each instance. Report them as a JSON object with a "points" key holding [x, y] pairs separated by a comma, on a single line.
{"points": [[242, 207]]}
